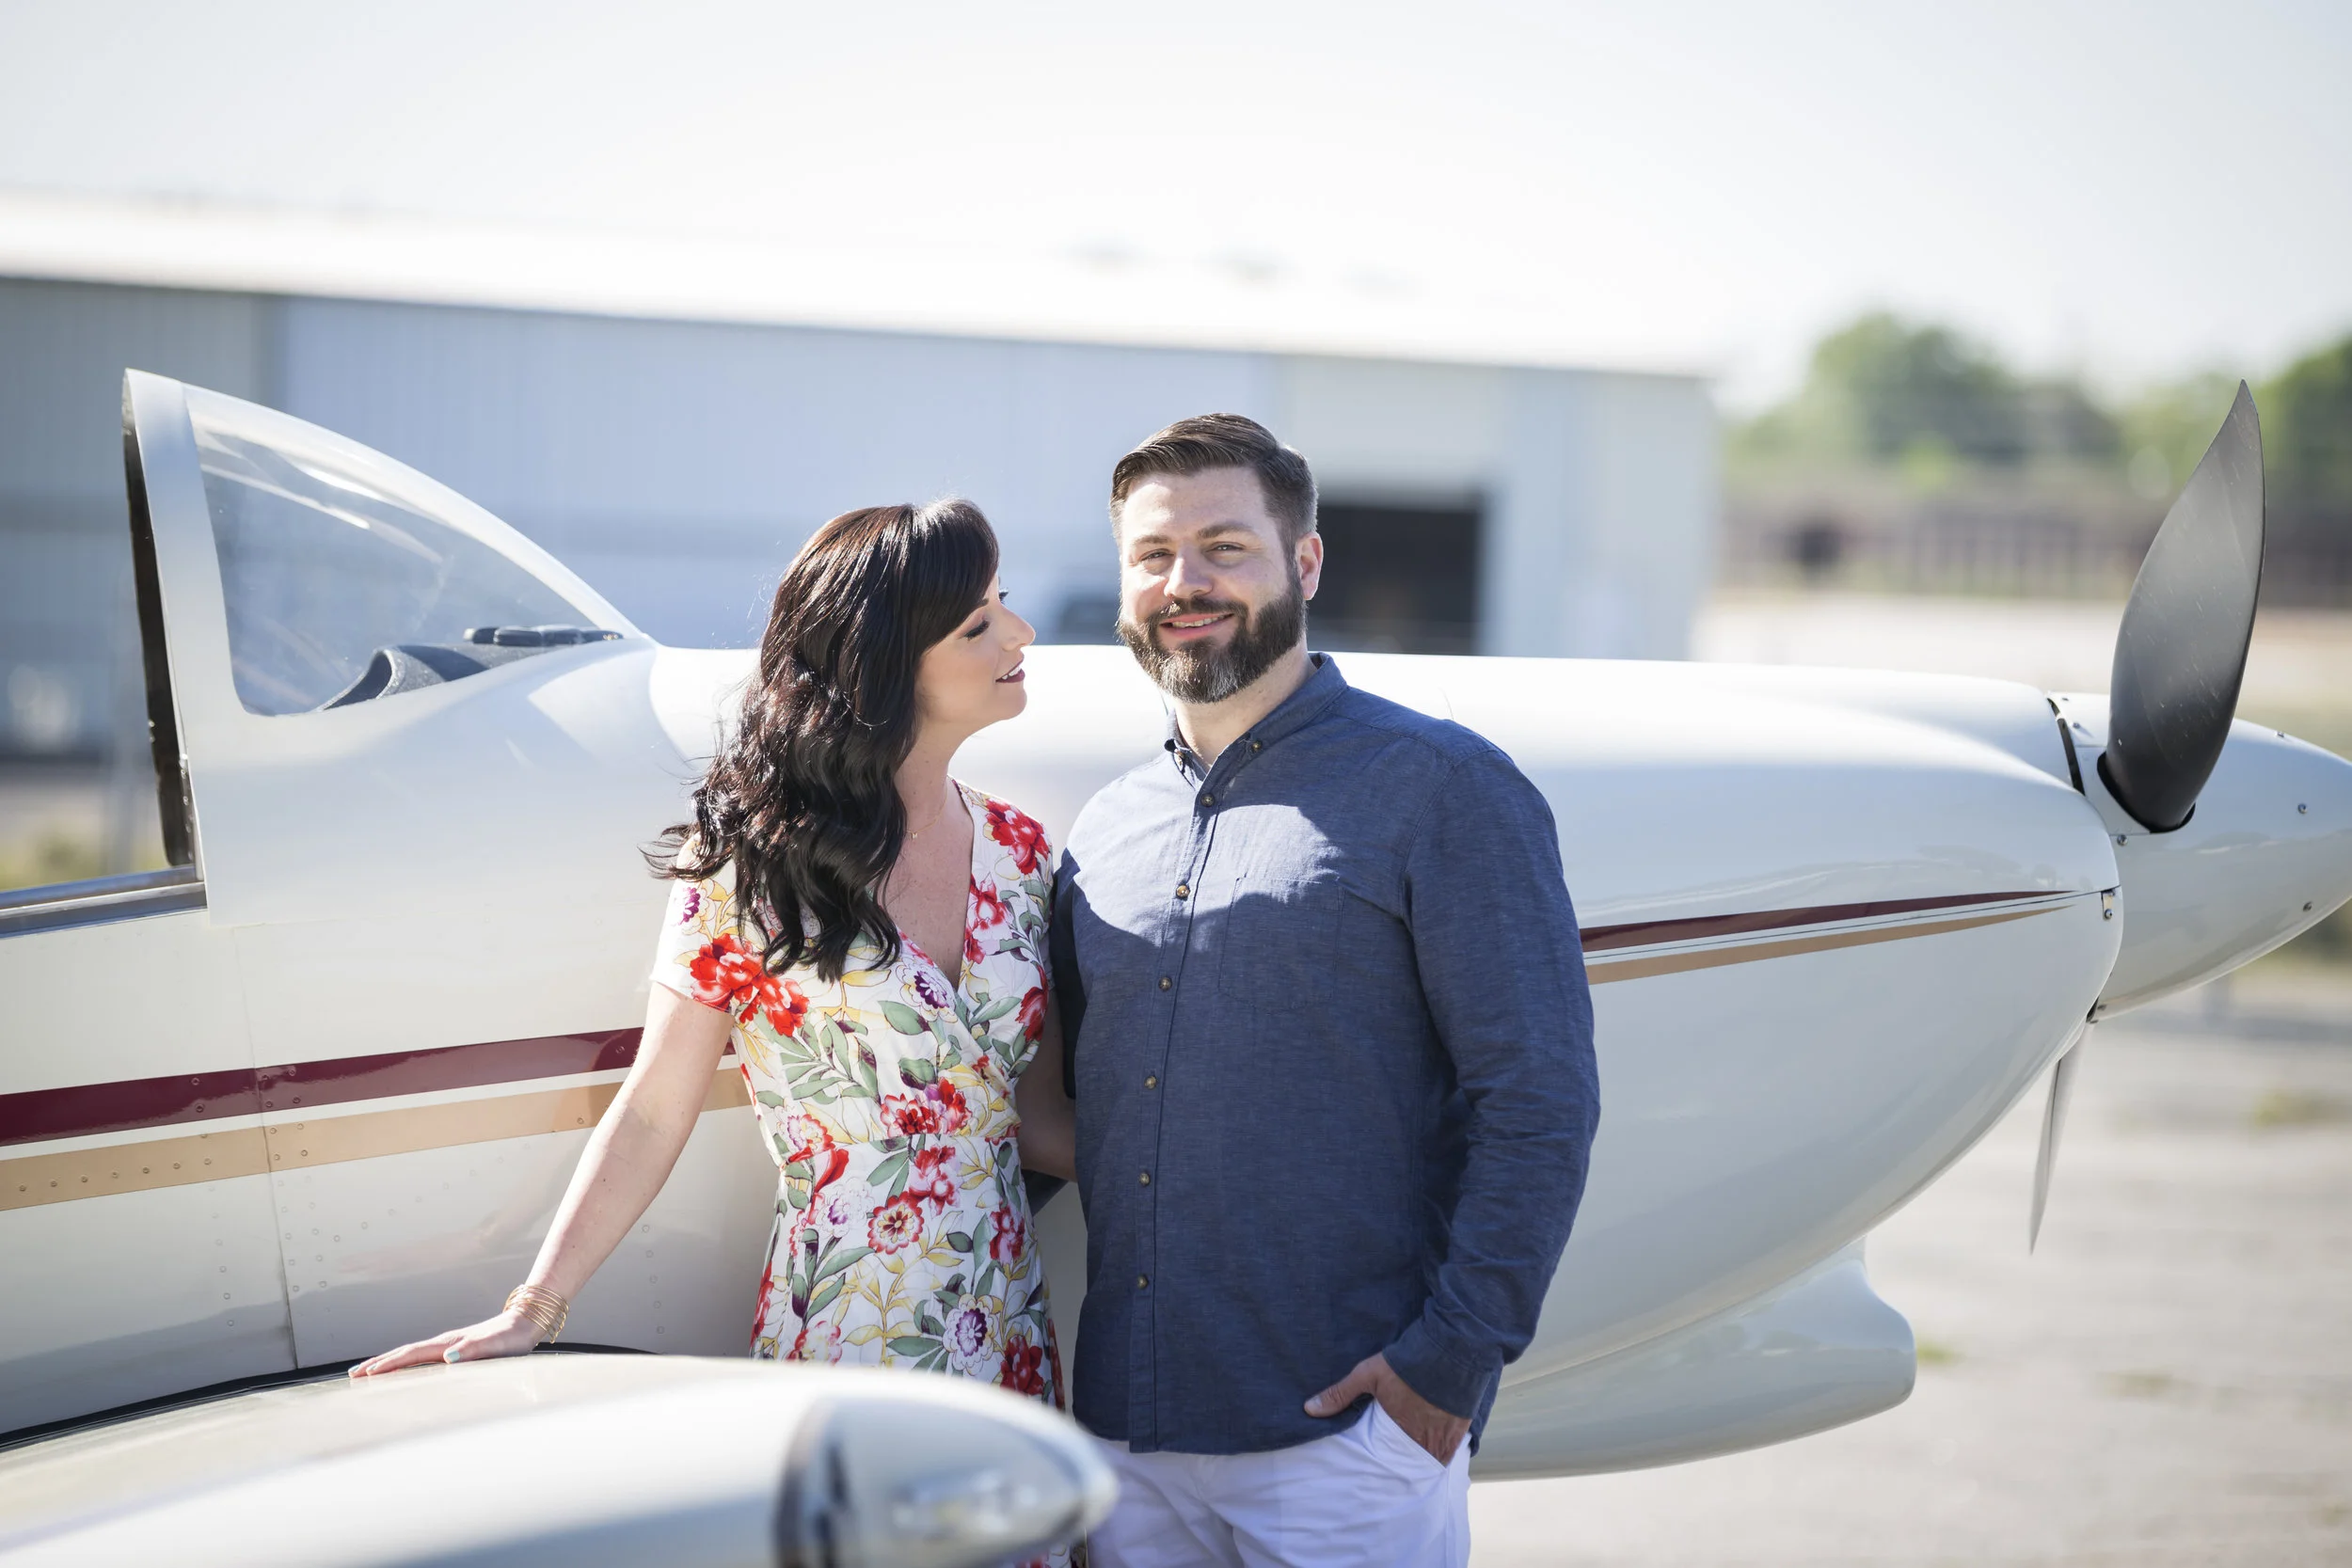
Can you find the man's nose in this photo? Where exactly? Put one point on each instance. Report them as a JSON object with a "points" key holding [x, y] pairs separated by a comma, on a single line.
{"points": [[1186, 577]]}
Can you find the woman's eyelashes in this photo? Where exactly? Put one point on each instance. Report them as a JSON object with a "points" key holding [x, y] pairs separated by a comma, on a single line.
{"points": [[982, 626]]}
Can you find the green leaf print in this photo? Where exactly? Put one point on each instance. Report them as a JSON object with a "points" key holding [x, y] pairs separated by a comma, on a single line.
{"points": [[995, 1011], [840, 1261], [890, 1174], [771, 1099], [908, 1344], [826, 1295], [905, 1018], [932, 1326], [960, 1240], [917, 1071]]}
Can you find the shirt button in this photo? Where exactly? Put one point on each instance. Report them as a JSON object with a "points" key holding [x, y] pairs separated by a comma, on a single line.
{"points": [[1143, 1282], [1151, 1080], [1208, 800], [1165, 982], [1144, 1179], [1184, 890], [1257, 745]]}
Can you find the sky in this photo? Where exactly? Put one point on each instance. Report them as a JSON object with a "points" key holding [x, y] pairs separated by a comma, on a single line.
{"points": [[2127, 191]]}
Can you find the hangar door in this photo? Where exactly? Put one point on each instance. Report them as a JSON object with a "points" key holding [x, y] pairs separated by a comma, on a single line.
{"points": [[1398, 577]]}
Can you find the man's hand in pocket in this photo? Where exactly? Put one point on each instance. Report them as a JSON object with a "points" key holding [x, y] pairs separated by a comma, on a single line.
{"points": [[1439, 1431]]}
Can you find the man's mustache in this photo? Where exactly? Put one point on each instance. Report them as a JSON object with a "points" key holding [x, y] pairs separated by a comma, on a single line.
{"points": [[1199, 607]]}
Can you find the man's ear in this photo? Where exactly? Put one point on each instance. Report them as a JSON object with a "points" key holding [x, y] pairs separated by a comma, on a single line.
{"points": [[1308, 553]]}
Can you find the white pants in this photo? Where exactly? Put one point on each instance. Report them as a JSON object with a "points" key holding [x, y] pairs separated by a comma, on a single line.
{"points": [[1366, 1498]]}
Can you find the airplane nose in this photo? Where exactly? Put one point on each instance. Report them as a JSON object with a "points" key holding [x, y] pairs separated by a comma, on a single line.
{"points": [[2265, 854]]}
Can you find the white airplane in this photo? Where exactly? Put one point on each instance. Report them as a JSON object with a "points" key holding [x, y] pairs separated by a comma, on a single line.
{"points": [[316, 1090]]}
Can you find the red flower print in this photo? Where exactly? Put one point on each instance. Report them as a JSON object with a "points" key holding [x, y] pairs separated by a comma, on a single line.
{"points": [[988, 908], [830, 1167], [973, 954], [1019, 1372], [1052, 1360], [766, 1292], [954, 1114], [1012, 1234], [909, 1116], [817, 1341], [930, 1181], [1018, 833], [1031, 1016], [728, 976], [897, 1224]]}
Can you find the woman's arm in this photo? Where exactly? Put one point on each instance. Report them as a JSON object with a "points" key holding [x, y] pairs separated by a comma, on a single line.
{"points": [[1049, 1122], [627, 1158]]}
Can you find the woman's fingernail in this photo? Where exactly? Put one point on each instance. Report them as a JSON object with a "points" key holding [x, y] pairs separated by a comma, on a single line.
{"points": [[453, 1354]]}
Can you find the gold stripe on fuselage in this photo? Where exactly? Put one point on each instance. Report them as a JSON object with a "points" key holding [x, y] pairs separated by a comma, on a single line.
{"points": [[1755, 951], [133, 1167]]}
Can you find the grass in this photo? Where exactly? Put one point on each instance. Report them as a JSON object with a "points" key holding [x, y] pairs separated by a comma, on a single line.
{"points": [[52, 857], [2297, 1108]]}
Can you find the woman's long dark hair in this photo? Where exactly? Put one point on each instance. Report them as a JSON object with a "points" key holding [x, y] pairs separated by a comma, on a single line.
{"points": [[803, 798]]}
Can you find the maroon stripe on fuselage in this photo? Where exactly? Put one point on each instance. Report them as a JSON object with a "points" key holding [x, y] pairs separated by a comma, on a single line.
{"points": [[1650, 933], [121, 1107], [142, 1103]]}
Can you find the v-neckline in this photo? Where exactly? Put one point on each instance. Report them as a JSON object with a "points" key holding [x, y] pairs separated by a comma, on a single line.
{"points": [[964, 795]]}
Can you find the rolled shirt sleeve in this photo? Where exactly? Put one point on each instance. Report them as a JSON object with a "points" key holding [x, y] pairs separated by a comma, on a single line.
{"points": [[1495, 942]]}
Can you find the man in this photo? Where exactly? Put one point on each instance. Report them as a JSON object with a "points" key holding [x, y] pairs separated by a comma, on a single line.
{"points": [[1332, 1056]]}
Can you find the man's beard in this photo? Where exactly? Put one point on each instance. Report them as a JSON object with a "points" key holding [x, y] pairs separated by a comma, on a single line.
{"points": [[1207, 673]]}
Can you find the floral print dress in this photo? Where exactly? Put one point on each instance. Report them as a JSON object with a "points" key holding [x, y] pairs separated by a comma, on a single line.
{"points": [[901, 1235]]}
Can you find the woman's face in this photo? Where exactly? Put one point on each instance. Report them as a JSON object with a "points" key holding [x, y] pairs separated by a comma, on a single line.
{"points": [[972, 677]]}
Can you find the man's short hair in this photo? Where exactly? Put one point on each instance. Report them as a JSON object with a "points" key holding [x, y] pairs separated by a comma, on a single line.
{"points": [[1208, 442]]}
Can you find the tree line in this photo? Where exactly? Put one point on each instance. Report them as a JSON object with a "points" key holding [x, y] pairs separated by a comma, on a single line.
{"points": [[1924, 400]]}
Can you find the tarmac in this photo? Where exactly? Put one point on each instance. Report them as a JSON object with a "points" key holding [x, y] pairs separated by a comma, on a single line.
{"points": [[2167, 1383]]}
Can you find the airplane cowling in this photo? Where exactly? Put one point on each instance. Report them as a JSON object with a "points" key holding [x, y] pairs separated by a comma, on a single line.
{"points": [[2266, 855]]}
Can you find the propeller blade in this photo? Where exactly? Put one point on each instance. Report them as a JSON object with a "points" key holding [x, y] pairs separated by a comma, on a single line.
{"points": [[2182, 651], [2053, 1129]]}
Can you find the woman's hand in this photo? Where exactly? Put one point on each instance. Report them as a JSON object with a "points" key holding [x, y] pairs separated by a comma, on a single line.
{"points": [[508, 1334], [627, 1158]]}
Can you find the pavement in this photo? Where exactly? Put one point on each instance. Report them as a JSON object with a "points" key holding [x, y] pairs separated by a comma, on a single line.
{"points": [[2166, 1382]]}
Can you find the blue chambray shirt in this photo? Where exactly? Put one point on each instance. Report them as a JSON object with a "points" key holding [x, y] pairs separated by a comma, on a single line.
{"points": [[1332, 1052]]}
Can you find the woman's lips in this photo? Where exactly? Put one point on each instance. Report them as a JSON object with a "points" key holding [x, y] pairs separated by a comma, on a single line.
{"points": [[1017, 677]]}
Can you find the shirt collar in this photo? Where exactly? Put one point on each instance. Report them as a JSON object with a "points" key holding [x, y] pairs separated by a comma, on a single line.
{"points": [[1322, 687]]}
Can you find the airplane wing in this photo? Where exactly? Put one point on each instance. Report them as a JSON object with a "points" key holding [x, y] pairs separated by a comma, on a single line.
{"points": [[570, 1460]]}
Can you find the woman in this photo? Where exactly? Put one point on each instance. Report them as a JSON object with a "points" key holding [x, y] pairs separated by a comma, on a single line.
{"points": [[870, 934]]}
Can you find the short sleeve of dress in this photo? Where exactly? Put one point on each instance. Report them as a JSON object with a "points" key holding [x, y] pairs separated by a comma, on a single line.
{"points": [[1018, 890], [700, 951]]}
